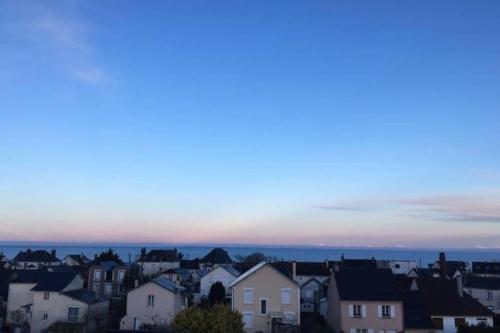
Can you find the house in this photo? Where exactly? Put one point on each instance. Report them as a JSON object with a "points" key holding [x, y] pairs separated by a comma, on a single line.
{"points": [[217, 256], [266, 297], [449, 268], [484, 289], [76, 260], [398, 266], [416, 317], [106, 278], [449, 306], [177, 275], [153, 305], [158, 261], [311, 294], [304, 271], [4, 291], [220, 273], [35, 259], [486, 268], [46, 297], [364, 300]]}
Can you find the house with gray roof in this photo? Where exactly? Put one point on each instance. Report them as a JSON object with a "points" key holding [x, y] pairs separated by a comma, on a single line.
{"points": [[30, 259], [153, 305], [486, 290], [158, 261]]}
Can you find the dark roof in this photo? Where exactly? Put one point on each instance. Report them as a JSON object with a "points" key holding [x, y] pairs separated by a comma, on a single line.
{"points": [[242, 267], [4, 283], [161, 256], [452, 267], [358, 263], [312, 268], [84, 295], [415, 312], [190, 264], [441, 298], [217, 256], [479, 282], [486, 267], [366, 284], [167, 284], [36, 256], [44, 280]]}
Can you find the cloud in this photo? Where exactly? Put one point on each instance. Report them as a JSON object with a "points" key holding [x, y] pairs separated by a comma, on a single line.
{"points": [[473, 207], [58, 30]]}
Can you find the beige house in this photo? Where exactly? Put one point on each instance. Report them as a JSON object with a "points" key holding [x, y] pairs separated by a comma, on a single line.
{"points": [[154, 304], [364, 300], [267, 298]]}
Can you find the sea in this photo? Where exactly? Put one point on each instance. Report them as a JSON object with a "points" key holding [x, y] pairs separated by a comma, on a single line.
{"points": [[130, 252]]}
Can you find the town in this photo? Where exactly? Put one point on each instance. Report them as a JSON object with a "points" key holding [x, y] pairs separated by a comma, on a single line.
{"points": [[161, 291]]}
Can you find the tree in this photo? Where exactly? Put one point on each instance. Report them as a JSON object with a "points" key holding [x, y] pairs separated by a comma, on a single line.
{"points": [[217, 293], [109, 255], [217, 319], [17, 318], [253, 258]]}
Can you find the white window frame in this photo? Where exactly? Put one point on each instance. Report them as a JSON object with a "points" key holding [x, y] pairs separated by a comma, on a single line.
{"points": [[247, 313], [97, 274], [357, 314], [283, 292], [245, 300], [386, 311], [260, 306]]}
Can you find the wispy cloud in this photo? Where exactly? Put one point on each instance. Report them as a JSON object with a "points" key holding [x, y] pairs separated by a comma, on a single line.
{"points": [[58, 30], [473, 207]]}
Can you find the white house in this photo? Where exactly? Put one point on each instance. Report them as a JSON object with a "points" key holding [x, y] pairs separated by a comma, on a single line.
{"points": [[484, 289], [221, 273], [35, 259], [153, 304], [157, 261], [398, 266], [76, 260]]}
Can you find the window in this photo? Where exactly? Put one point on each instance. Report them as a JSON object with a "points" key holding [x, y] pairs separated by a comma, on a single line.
{"points": [[438, 323], [248, 296], [108, 288], [247, 319], [286, 295], [357, 310], [97, 287], [309, 293], [73, 314], [482, 321], [289, 317], [470, 292], [490, 296], [46, 295], [121, 275], [97, 274], [397, 266], [45, 316], [459, 322], [263, 306], [151, 301], [386, 311], [361, 330]]}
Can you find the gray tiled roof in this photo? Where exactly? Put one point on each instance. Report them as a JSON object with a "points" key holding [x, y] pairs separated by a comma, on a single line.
{"points": [[167, 284]]}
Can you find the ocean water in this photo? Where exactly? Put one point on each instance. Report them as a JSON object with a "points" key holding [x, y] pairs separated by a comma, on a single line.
{"points": [[300, 253]]}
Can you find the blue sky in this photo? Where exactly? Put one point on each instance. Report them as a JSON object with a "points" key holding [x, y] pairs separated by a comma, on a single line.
{"points": [[283, 122]]}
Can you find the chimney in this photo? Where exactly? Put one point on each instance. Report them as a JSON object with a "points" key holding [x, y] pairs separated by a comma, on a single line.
{"points": [[294, 270], [143, 252], [327, 263], [460, 285], [53, 253], [442, 265]]}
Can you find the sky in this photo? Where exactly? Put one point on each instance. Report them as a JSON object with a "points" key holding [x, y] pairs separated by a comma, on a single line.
{"points": [[321, 122]]}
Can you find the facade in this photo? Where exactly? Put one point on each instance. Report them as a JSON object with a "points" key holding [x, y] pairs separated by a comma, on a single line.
{"points": [[221, 273], [486, 290], [218, 256], [267, 298], [158, 261], [76, 260], [35, 259], [311, 293], [364, 300], [486, 268], [398, 266], [153, 304], [106, 279]]}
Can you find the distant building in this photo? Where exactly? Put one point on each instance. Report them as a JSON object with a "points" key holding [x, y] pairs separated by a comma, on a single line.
{"points": [[153, 305], [398, 266], [486, 268], [267, 298], [76, 260], [217, 256], [158, 261], [106, 278], [224, 274], [364, 300], [484, 289], [35, 259]]}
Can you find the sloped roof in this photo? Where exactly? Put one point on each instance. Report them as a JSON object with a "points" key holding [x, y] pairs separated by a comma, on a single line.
{"points": [[230, 269], [161, 256], [4, 283], [366, 284], [255, 269], [36, 256], [441, 298], [190, 264], [217, 256], [167, 284], [358, 263], [84, 295], [80, 258], [415, 312], [312, 268], [480, 282], [44, 280]]}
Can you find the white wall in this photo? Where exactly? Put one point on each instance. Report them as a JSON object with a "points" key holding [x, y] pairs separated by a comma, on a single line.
{"points": [[151, 268], [449, 323], [219, 274]]}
